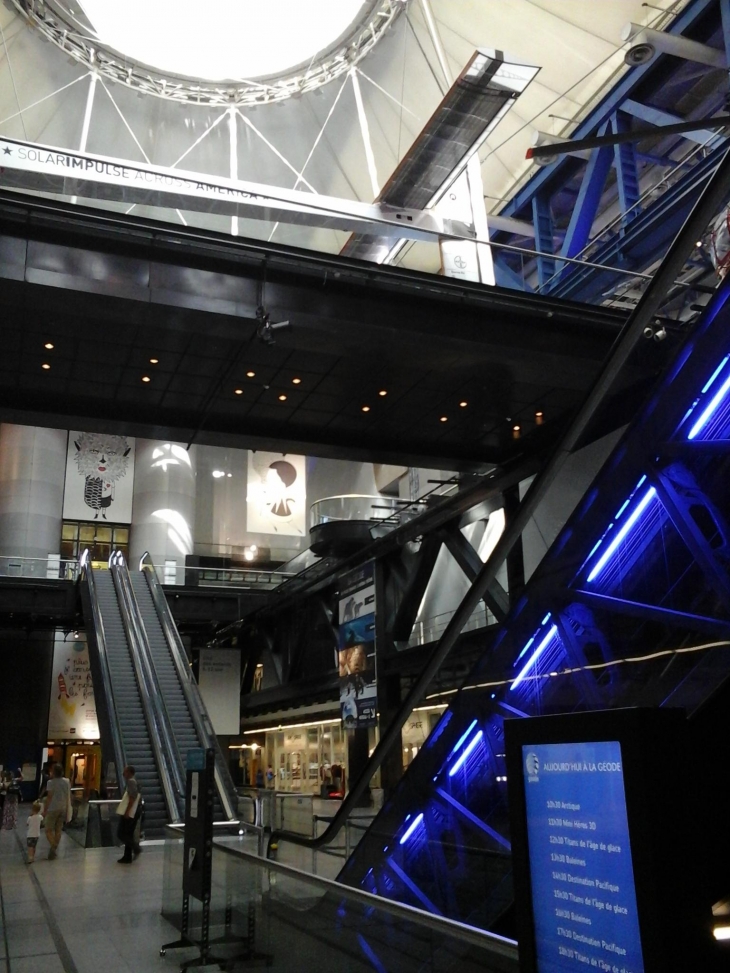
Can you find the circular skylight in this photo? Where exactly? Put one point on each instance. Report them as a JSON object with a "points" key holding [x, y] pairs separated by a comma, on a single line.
{"points": [[219, 40]]}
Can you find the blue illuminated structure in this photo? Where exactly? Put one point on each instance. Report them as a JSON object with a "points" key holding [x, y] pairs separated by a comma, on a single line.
{"points": [[641, 568]]}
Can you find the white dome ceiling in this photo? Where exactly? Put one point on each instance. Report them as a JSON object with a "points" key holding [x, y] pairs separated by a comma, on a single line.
{"points": [[314, 142]]}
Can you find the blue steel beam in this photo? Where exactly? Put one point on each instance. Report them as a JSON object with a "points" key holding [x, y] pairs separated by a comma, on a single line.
{"points": [[544, 235], [647, 237], [627, 174], [656, 116], [550, 178], [506, 277]]}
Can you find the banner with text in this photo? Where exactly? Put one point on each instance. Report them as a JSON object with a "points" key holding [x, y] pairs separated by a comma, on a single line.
{"points": [[72, 711], [356, 648], [219, 679]]}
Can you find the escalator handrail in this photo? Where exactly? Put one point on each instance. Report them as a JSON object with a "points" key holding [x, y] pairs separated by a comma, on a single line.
{"points": [[196, 706], [162, 739], [117, 741]]}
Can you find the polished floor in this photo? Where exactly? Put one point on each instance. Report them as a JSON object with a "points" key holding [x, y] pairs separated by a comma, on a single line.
{"points": [[83, 912]]}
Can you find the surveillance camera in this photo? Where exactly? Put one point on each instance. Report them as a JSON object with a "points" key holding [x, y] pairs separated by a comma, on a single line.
{"points": [[275, 326], [648, 332], [639, 54], [660, 334]]}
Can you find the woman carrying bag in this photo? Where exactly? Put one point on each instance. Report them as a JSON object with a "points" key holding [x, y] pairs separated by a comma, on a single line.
{"points": [[128, 810]]}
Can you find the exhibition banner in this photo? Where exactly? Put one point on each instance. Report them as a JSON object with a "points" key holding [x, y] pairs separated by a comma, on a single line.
{"points": [[72, 710], [99, 477], [276, 499], [356, 648], [219, 679]]}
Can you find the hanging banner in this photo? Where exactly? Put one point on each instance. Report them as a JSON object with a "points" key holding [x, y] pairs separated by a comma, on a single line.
{"points": [[219, 680], [356, 648], [99, 477], [72, 711], [276, 499]]}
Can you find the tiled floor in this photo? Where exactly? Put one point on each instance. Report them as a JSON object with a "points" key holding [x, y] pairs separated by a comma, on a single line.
{"points": [[81, 913]]}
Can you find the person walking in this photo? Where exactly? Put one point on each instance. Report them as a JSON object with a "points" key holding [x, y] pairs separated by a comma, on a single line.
{"points": [[55, 811], [33, 825], [128, 810]]}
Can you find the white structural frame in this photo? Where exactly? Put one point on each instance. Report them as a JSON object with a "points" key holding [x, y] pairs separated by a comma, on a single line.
{"points": [[58, 22]]}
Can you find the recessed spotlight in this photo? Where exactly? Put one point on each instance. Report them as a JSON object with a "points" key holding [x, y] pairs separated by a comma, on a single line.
{"points": [[383, 392], [48, 346], [282, 398], [366, 408], [296, 381], [45, 365], [154, 361], [444, 418], [515, 428], [217, 474], [250, 374], [146, 378], [515, 432], [238, 391], [463, 404], [539, 418]]}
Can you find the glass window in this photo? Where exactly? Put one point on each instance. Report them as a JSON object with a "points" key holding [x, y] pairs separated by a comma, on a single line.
{"points": [[104, 534], [121, 535], [70, 532], [86, 533], [68, 550]]}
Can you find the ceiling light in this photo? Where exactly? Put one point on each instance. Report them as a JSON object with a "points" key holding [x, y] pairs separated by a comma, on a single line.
{"points": [[154, 361], [383, 392], [48, 345], [238, 391], [515, 428], [296, 381], [282, 398], [250, 374], [721, 932], [45, 365], [146, 378], [218, 474], [539, 418], [229, 475], [366, 408], [444, 418], [463, 404]]}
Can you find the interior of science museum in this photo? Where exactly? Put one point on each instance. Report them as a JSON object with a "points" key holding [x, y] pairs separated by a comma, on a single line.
{"points": [[364, 462]]}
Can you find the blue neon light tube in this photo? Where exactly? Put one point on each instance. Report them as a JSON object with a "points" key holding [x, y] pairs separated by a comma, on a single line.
{"points": [[610, 550], [475, 739], [710, 410], [534, 657], [414, 824], [463, 737]]}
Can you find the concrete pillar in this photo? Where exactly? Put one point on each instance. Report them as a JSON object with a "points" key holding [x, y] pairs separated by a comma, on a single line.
{"points": [[32, 475], [163, 511]]}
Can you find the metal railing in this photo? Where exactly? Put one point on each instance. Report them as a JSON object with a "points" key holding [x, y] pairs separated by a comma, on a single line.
{"points": [[268, 900], [430, 629], [196, 706], [259, 579], [162, 737], [353, 506], [51, 568]]}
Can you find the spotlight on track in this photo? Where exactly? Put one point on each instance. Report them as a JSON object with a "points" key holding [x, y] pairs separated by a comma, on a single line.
{"points": [[265, 328]]}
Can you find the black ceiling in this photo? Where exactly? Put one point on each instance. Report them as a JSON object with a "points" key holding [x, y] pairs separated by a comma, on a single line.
{"points": [[110, 293]]}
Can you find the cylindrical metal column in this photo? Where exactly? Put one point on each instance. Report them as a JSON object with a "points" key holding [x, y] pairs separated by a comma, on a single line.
{"points": [[32, 475], [163, 512]]}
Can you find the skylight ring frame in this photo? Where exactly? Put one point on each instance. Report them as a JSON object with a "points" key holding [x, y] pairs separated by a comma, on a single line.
{"points": [[56, 23]]}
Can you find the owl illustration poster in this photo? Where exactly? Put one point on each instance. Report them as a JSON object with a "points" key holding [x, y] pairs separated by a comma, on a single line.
{"points": [[277, 494], [99, 477]]}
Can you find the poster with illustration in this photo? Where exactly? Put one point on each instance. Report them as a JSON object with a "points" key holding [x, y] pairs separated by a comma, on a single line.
{"points": [[72, 712], [276, 498], [99, 477], [356, 648]]}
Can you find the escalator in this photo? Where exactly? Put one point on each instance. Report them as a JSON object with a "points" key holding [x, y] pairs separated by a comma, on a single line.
{"points": [[149, 706], [630, 607]]}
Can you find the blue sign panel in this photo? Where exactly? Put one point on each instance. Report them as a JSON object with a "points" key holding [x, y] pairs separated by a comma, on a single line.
{"points": [[582, 878]]}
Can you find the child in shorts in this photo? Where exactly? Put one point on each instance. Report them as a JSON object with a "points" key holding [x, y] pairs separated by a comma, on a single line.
{"points": [[34, 830]]}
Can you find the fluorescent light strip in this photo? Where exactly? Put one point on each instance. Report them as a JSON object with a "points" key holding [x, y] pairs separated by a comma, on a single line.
{"points": [[721, 932], [477, 737], [715, 373], [535, 656], [710, 410], [416, 821], [648, 496], [463, 737]]}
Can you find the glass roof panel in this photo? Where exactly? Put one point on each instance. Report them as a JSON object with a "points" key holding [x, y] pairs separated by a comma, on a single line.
{"points": [[222, 39]]}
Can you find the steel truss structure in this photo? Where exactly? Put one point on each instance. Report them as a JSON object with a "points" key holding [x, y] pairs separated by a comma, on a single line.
{"points": [[630, 607], [65, 28], [621, 206]]}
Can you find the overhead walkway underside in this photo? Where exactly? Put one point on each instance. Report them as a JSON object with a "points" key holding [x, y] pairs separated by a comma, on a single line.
{"points": [[630, 607]]}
